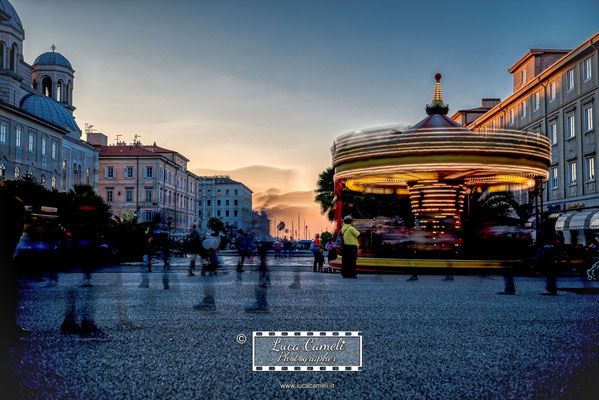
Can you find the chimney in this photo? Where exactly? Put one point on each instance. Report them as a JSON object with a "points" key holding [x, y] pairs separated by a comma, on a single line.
{"points": [[489, 102], [97, 139]]}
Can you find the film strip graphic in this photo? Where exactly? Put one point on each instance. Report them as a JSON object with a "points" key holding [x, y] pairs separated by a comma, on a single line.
{"points": [[263, 342]]}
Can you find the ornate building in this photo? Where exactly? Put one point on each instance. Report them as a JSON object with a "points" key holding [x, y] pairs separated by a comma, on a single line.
{"points": [[38, 133]]}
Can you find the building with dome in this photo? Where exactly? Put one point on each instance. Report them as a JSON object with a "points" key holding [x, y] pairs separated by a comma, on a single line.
{"points": [[39, 136]]}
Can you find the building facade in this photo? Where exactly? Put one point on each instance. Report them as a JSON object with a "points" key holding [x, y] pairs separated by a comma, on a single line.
{"points": [[222, 197], [38, 133], [149, 181], [556, 94]]}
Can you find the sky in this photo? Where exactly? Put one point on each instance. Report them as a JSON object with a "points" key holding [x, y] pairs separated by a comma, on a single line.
{"points": [[242, 86]]}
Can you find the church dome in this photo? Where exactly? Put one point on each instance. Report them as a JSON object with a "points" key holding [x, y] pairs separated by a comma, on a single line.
{"points": [[48, 109], [13, 17], [52, 58]]}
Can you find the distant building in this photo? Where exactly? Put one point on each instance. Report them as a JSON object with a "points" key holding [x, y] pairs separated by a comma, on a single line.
{"points": [[260, 225], [38, 133], [148, 180], [222, 197], [556, 94]]}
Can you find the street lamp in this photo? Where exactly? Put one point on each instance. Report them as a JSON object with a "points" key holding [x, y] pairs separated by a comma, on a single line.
{"points": [[169, 222]]}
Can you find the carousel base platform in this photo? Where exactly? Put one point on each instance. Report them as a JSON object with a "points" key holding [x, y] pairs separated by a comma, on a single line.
{"points": [[430, 266]]}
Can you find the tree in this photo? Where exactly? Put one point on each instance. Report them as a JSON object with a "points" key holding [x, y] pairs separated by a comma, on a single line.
{"points": [[325, 193], [216, 225]]}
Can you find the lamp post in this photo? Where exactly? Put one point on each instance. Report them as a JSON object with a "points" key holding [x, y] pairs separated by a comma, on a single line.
{"points": [[169, 222]]}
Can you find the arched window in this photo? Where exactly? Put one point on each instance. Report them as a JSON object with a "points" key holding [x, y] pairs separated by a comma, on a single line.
{"points": [[17, 172], [64, 175], [43, 179], [13, 57], [53, 182], [80, 175], [29, 174], [2, 172], [75, 176], [47, 86], [68, 94], [87, 177], [2, 50], [59, 92]]}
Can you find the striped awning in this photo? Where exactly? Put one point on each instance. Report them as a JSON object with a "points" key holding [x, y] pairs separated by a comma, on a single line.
{"points": [[563, 221], [594, 224], [531, 222], [582, 220]]}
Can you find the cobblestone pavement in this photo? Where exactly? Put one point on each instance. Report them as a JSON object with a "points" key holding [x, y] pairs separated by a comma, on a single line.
{"points": [[427, 339]]}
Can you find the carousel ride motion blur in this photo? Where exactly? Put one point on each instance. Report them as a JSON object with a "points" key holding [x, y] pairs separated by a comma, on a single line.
{"points": [[436, 164]]}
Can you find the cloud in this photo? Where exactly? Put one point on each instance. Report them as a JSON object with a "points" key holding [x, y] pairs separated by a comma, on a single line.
{"points": [[259, 178]]}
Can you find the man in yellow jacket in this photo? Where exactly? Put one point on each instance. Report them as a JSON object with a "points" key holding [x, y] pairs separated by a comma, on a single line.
{"points": [[350, 248]]}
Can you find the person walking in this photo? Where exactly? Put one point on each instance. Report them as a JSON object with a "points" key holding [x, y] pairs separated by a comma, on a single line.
{"points": [[12, 221], [331, 250], [244, 248], [317, 251], [193, 248], [350, 248]]}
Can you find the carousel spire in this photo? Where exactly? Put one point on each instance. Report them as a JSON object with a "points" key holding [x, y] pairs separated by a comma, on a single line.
{"points": [[437, 106]]}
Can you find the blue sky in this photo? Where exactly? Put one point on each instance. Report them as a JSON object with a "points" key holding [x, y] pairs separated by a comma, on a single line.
{"points": [[274, 82]]}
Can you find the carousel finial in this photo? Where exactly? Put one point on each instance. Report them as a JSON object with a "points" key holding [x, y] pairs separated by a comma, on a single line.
{"points": [[437, 106]]}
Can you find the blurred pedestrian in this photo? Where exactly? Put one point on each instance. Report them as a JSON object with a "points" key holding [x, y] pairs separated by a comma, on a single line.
{"points": [[278, 247], [317, 252], [12, 217], [244, 248], [350, 248], [331, 250], [193, 246]]}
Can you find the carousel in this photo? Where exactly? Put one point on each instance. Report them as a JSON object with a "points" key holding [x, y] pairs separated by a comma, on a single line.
{"points": [[436, 165]]}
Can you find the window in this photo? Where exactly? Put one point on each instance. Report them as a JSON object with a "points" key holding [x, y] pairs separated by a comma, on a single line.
{"points": [[149, 172], [44, 140], [129, 195], [552, 90], [18, 137], [109, 195], [570, 79], [161, 173], [572, 169], [501, 125], [148, 216], [588, 119], [54, 150], [227, 202], [523, 76], [236, 192], [208, 203], [511, 116], [3, 130], [553, 132], [53, 182], [218, 202], [87, 176], [17, 172], [587, 71], [227, 192], [570, 126], [523, 109], [218, 192], [64, 174], [536, 101], [590, 169], [43, 179], [226, 213], [110, 172], [236, 202], [149, 195], [2, 172], [129, 172], [218, 213], [235, 213], [554, 177]]}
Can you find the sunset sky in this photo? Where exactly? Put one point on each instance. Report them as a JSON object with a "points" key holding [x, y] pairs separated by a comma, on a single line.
{"points": [[270, 84]]}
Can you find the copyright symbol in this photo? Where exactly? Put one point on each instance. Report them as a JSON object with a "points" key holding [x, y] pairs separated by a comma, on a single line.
{"points": [[241, 338]]}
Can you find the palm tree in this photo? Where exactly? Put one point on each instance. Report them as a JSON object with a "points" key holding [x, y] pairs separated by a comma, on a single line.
{"points": [[325, 193]]}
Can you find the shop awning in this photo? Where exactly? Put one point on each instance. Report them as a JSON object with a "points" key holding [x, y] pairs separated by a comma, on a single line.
{"points": [[531, 222], [582, 220], [563, 221], [594, 224]]}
